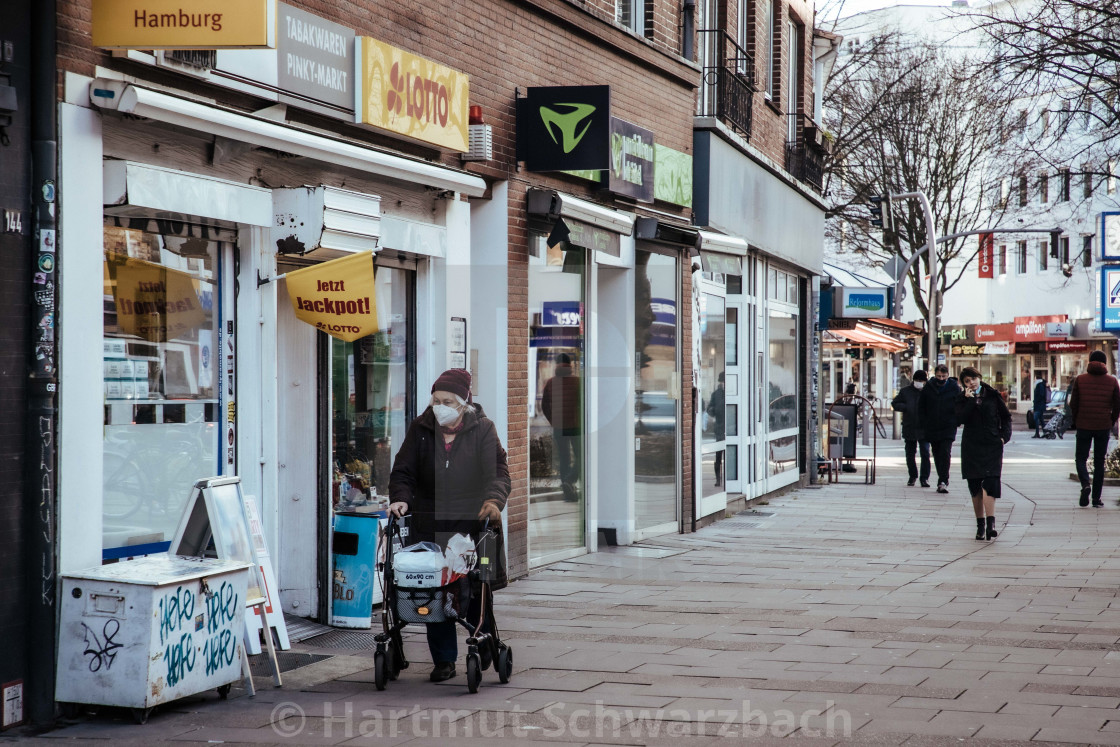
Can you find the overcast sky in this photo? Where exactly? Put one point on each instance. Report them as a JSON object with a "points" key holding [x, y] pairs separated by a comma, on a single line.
{"points": [[829, 8]]}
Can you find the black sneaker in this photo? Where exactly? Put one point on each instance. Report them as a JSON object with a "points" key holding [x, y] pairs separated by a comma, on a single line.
{"points": [[443, 671], [1083, 501], [1097, 504], [941, 488], [911, 482], [925, 483]]}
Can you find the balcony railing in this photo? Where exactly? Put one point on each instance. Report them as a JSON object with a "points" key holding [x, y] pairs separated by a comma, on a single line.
{"points": [[806, 147], [728, 87]]}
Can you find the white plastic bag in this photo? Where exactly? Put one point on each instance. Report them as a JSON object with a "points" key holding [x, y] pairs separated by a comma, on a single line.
{"points": [[460, 556], [420, 566]]}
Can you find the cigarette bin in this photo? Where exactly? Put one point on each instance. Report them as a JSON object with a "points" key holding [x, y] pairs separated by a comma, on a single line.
{"points": [[147, 631]]}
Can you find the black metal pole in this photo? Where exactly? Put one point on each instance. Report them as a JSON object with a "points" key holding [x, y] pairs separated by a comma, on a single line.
{"points": [[43, 382]]}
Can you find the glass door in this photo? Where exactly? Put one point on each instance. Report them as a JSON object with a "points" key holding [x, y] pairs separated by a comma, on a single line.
{"points": [[657, 393], [713, 397], [557, 297], [371, 400]]}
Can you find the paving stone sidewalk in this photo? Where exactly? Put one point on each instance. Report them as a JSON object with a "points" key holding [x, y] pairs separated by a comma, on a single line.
{"points": [[846, 614]]}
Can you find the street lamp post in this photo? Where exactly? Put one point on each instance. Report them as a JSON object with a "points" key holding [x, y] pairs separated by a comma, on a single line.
{"points": [[931, 247]]}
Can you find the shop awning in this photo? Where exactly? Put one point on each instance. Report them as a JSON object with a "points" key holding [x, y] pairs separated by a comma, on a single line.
{"points": [[664, 232], [126, 98], [895, 326], [864, 335]]}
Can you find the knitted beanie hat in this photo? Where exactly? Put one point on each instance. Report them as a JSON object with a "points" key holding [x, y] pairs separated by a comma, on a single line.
{"points": [[454, 380], [1098, 356]]}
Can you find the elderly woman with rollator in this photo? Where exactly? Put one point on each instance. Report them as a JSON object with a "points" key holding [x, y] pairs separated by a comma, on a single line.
{"points": [[987, 427]]}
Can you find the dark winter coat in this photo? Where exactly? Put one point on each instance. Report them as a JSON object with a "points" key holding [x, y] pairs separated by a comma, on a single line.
{"points": [[937, 409], [560, 401], [1041, 395], [1094, 404], [906, 402], [987, 427], [445, 490]]}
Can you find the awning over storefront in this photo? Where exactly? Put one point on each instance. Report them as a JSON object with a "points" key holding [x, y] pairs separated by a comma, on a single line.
{"points": [[895, 326], [862, 334], [126, 98], [579, 222], [663, 232]]}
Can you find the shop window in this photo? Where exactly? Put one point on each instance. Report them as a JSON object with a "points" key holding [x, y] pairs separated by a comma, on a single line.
{"points": [[370, 398], [163, 317], [782, 385], [732, 336], [632, 15]]}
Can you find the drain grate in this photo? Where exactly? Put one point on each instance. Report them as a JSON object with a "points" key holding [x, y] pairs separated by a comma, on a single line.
{"points": [[349, 639], [739, 523], [287, 660]]}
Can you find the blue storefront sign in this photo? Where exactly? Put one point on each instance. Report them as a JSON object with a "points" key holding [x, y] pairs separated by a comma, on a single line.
{"points": [[1110, 298]]}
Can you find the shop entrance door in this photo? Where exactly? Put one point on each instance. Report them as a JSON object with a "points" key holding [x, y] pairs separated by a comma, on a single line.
{"points": [[656, 395], [712, 405]]}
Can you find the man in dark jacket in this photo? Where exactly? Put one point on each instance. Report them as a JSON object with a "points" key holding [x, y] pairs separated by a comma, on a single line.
{"points": [[1094, 406], [560, 402], [907, 403], [938, 413], [1040, 400]]}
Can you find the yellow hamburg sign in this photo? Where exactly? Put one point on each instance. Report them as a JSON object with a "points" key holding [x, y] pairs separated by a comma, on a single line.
{"points": [[184, 24], [337, 297], [411, 96]]}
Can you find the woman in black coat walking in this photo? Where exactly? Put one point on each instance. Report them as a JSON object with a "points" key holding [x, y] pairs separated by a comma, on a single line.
{"points": [[987, 427], [451, 476]]}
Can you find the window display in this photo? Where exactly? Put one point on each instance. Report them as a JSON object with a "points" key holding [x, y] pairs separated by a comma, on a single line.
{"points": [[163, 332]]}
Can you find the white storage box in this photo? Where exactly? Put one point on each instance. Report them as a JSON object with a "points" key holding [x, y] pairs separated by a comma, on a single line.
{"points": [[420, 566], [147, 631]]}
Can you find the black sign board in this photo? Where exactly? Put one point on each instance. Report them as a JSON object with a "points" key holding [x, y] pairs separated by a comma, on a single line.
{"points": [[564, 128], [631, 171]]}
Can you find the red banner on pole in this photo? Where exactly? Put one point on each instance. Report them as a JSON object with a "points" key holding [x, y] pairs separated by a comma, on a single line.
{"points": [[987, 255]]}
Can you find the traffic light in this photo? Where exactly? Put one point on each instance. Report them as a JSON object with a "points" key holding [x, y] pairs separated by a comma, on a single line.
{"points": [[880, 207]]}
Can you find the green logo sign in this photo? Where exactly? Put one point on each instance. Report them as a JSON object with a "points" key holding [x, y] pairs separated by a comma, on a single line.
{"points": [[567, 124], [564, 128]]}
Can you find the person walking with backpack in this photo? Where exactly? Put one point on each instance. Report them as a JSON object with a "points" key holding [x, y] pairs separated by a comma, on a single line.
{"points": [[987, 427], [1094, 406], [906, 402], [938, 413]]}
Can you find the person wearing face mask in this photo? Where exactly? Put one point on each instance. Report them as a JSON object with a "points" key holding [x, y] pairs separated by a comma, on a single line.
{"points": [[937, 410], [906, 402], [451, 476], [987, 427]]}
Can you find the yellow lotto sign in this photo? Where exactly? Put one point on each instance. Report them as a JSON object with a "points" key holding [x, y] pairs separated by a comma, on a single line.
{"points": [[154, 302], [184, 24], [412, 96], [337, 296]]}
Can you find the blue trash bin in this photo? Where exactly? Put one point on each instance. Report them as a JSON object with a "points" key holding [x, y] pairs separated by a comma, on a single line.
{"points": [[354, 551]]}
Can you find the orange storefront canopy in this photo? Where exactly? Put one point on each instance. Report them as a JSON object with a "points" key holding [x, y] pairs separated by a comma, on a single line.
{"points": [[864, 335]]}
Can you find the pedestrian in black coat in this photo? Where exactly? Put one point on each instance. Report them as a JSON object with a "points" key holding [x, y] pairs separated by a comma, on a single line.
{"points": [[987, 427], [451, 475], [906, 402], [937, 409]]}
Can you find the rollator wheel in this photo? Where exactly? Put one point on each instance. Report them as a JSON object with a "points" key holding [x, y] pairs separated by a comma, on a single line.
{"points": [[380, 669], [223, 691], [504, 664], [474, 672]]}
